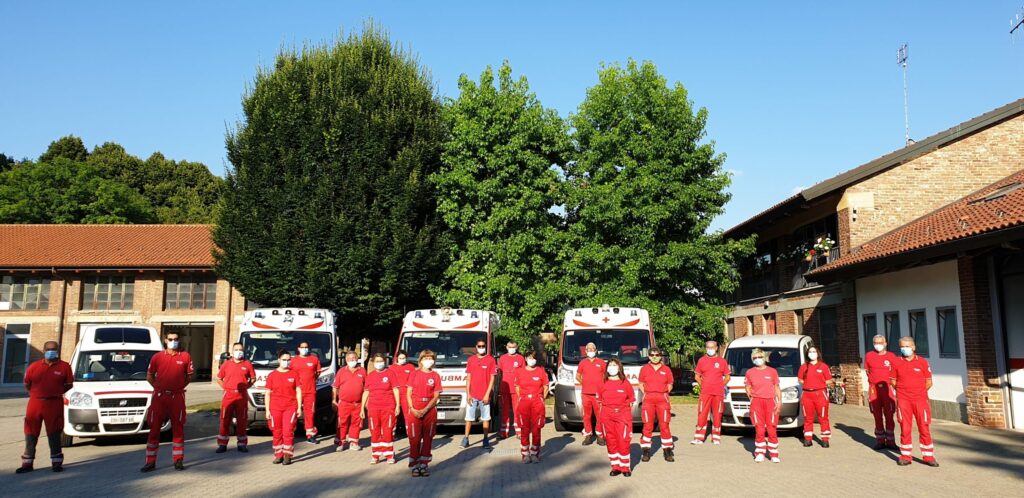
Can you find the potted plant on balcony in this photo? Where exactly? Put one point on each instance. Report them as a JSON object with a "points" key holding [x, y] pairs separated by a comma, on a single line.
{"points": [[823, 245], [811, 254]]}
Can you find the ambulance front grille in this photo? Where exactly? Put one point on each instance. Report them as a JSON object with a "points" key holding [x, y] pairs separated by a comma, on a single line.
{"points": [[449, 401], [122, 413], [259, 399], [117, 402], [740, 397]]}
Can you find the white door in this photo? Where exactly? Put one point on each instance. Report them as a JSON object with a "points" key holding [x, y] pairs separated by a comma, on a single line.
{"points": [[1013, 294], [15, 354]]}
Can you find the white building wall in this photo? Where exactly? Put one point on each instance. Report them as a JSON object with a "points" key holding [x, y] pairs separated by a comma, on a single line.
{"points": [[927, 287]]}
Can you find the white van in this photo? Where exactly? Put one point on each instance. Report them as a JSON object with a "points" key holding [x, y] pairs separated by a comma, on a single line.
{"points": [[785, 353], [111, 396]]}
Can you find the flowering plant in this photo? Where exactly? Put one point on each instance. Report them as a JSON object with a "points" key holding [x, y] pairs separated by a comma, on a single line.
{"points": [[824, 244]]}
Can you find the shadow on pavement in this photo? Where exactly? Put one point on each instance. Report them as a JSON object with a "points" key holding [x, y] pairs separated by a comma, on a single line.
{"points": [[868, 440]]}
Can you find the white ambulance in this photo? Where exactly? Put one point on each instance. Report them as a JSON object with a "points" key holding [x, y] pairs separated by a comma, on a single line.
{"points": [[452, 334], [266, 331], [785, 353], [110, 396], [623, 333]]}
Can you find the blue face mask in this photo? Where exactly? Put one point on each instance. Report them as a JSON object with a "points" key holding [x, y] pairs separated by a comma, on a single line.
{"points": [[759, 361], [172, 344], [906, 351], [50, 355]]}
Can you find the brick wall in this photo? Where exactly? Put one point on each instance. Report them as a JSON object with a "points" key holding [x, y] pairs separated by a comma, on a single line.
{"points": [[785, 322], [984, 398], [847, 342], [940, 177]]}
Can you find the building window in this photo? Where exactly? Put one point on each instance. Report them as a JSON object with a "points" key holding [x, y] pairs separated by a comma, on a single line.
{"points": [[190, 292], [106, 292], [24, 293], [870, 331], [829, 327], [949, 335], [919, 331], [730, 329], [892, 330]]}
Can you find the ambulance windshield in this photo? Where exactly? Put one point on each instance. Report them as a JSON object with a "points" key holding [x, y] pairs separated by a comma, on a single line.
{"points": [[785, 360], [629, 346], [105, 366], [453, 348], [261, 348]]}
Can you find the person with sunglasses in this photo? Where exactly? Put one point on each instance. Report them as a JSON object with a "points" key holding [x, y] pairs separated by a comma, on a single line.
{"points": [[480, 372], [762, 386], [656, 382]]}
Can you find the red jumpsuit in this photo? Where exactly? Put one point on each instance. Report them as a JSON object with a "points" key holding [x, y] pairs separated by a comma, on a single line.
{"points": [[530, 409], [880, 395], [172, 371], [349, 384], [814, 400], [617, 398], [400, 377], [380, 410], [507, 400], [422, 387], [911, 377], [283, 408], [236, 377], [592, 373], [713, 371], [308, 370], [656, 405], [763, 382], [46, 384]]}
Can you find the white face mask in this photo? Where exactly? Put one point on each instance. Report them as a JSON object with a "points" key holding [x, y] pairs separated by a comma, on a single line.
{"points": [[172, 344], [401, 361], [285, 363], [530, 362], [427, 363], [759, 361], [812, 356], [304, 351], [879, 347], [591, 354], [511, 350], [481, 350], [239, 354], [613, 370], [353, 364], [712, 352], [379, 365]]}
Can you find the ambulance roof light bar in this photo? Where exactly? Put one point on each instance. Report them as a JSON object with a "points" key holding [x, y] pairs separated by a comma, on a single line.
{"points": [[433, 312], [594, 310], [302, 312], [419, 314], [458, 312], [287, 312], [615, 310], [446, 314], [632, 313], [318, 315], [605, 307], [275, 312], [579, 313], [472, 314], [258, 314]]}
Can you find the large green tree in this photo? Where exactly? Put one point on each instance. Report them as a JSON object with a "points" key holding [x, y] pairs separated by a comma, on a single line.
{"points": [[496, 190], [328, 201], [68, 147], [644, 187]]}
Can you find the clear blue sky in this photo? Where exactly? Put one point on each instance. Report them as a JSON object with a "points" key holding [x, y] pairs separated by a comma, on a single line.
{"points": [[796, 93]]}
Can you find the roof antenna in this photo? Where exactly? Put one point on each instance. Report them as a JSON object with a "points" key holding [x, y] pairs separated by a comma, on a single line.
{"points": [[1016, 23], [901, 59]]}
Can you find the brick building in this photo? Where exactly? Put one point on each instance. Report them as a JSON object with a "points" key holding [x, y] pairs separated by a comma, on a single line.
{"points": [[786, 290], [55, 279]]}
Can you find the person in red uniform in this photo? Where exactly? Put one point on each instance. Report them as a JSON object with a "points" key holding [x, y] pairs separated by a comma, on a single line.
{"points": [[283, 407], [912, 378], [816, 377], [235, 376], [46, 381], [481, 369], [879, 364], [531, 389], [169, 372], [380, 407], [656, 382], [400, 372], [616, 397], [712, 374], [507, 401], [762, 386], [424, 391], [590, 377], [347, 393], [307, 367]]}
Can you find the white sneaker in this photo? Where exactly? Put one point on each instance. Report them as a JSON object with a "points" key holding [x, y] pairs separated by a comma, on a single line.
{"points": [[716, 442], [759, 458], [697, 441], [776, 460]]}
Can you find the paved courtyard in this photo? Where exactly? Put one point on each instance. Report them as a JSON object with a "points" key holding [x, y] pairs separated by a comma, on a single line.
{"points": [[975, 462]]}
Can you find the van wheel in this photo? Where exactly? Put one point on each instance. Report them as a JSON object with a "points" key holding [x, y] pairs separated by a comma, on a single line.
{"points": [[66, 441], [559, 426]]}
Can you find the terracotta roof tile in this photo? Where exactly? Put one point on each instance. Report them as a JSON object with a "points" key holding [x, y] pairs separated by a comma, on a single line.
{"points": [[995, 207], [105, 246]]}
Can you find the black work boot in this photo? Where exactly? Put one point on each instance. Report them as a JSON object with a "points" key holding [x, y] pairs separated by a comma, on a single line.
{"points": [[669, 456], [646, 456], [149, 467], [807, 443], [179, 465], [600, 441], [589, 440]]}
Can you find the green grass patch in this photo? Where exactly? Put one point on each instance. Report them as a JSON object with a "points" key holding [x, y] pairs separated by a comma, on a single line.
{"points": [[213, 406]]}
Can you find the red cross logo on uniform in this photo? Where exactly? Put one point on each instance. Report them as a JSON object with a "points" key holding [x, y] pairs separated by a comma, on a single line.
{"points": [[605, 319]]}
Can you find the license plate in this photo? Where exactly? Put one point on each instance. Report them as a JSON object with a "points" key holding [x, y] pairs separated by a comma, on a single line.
{"points": [[124, 420], [742, 413], [441, 415]]}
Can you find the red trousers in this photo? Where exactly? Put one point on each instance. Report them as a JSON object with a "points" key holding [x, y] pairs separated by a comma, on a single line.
{"points": [[349, 423], [50, 412], [233, 405], [656, 408], [713, 404], [815, 404], [421, 434], [591, 408], [403, 399], [908, 412], [167, 405], [382, 432], [883, 406], [617, 424], [309, 410], [530, 419], [282, 425], [762, 413], [508, 411]]}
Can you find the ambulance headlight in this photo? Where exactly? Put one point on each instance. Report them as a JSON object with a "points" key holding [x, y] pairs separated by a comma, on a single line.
{"points": [[327, 378], [566, 377], [791, 394], [80, 400]]}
